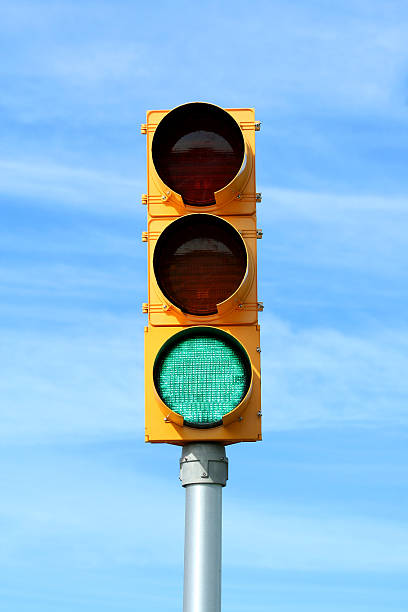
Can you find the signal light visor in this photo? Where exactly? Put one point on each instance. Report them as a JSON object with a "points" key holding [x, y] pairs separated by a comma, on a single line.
{"points": [[197, 150], [199, 262]]}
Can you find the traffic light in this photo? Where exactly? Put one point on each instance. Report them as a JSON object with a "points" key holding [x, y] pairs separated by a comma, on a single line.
{"points": [[202, 350]]}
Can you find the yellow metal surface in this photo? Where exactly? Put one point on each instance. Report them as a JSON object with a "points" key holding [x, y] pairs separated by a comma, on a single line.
{"points": [[240, 308], [241, 425], [236, 198], [238, 315]]}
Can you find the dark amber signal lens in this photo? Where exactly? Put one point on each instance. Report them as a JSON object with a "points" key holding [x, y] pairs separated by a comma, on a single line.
{"points": [[199, 261], [197, 149]]}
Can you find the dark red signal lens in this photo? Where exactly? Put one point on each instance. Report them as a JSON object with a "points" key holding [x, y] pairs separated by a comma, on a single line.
{"points": [[197, 149], [199, 261]]}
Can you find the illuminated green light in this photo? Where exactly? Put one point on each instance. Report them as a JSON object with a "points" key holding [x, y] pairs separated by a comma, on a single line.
{"points": [[202, 374]]}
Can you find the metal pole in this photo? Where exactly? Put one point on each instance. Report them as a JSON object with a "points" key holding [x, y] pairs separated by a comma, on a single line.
{"points": [[203, 472]]}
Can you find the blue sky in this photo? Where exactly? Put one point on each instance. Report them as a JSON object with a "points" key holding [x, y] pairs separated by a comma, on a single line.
{"points": [[315, 515]]}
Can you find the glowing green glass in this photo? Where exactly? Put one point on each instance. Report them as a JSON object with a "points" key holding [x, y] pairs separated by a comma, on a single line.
{"points": [[202, 376]]}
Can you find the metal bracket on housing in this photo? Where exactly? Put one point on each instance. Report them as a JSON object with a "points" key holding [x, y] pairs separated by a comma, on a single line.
{"points": [[203, 462]]}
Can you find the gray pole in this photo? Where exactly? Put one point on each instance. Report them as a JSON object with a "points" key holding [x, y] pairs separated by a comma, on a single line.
{"points": [[203, 472]]}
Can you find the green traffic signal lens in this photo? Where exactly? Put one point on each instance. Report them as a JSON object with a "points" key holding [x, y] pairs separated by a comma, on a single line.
{"points": [[202, 374]]}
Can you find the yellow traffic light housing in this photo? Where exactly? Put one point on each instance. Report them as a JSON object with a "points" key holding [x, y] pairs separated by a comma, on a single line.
{"points": [[202, 370], [238, 420], [202, 268], [230, 136]]}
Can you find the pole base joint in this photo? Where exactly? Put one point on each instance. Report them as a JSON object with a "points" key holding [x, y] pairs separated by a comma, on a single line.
{"points": [[203, 463]]}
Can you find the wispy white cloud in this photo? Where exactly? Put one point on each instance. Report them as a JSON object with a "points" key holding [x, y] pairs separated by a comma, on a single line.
{"points": [[322, 377], [308, 539], [84, 378], [57, 244], [117, 513], [85, 511], [45, 183], [90, 63], [336, 230], [49, 50], [58, 280], [303, 61], [362, 69], [330, 207]]}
